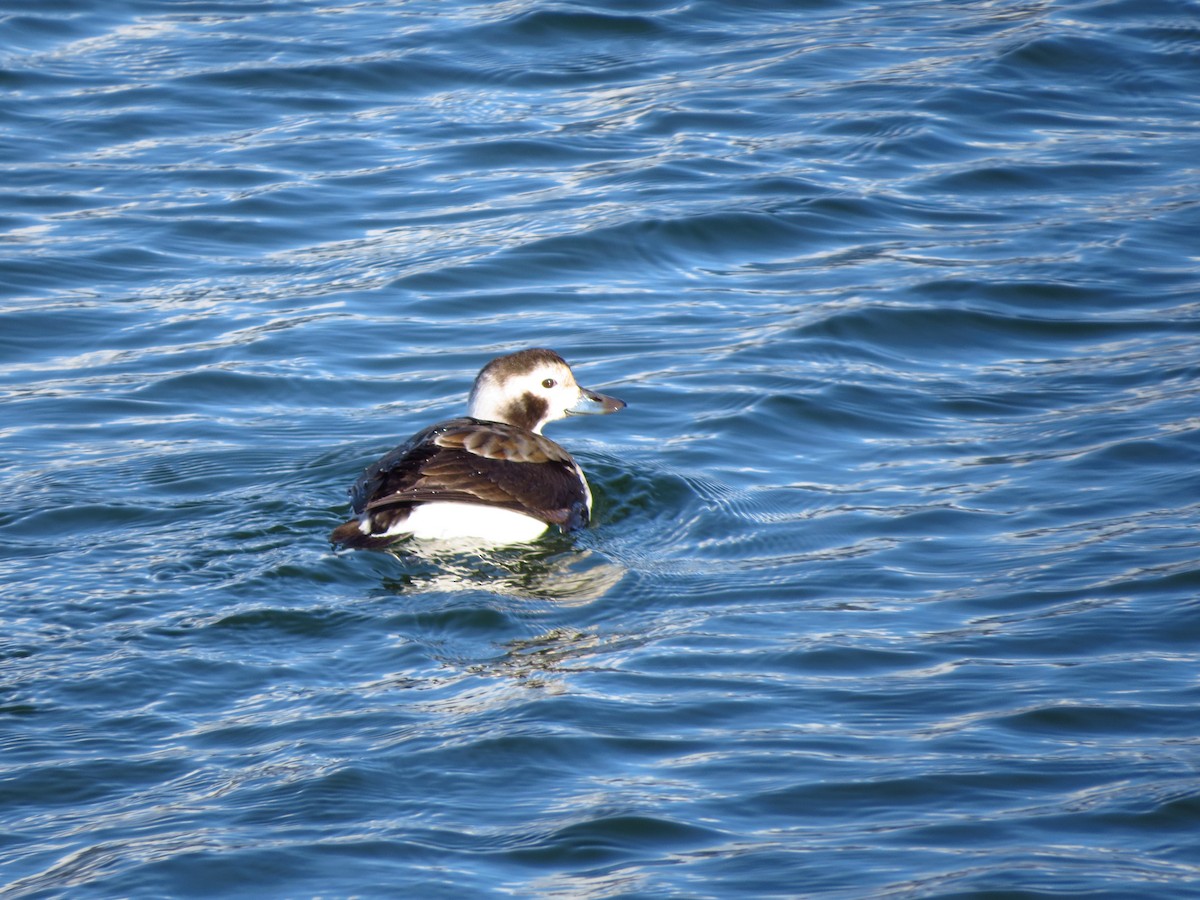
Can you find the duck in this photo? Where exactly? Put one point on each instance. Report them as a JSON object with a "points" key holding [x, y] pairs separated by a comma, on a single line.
{"points": [[490, 476]]}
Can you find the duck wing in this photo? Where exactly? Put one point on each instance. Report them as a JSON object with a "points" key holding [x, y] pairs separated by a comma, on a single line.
{"points": [[468, 460]]}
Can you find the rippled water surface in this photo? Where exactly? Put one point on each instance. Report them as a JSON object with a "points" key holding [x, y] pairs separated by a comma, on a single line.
{"points": [[893, 588]]}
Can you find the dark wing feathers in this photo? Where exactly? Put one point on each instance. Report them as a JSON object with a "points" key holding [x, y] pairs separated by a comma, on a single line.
{"points": [[470, 461]]}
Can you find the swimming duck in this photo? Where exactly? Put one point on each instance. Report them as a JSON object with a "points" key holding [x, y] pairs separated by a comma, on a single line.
{"points": [[490, 475]]}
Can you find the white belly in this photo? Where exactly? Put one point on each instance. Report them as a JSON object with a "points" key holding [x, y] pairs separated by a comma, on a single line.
{"points": [[446, 521]]}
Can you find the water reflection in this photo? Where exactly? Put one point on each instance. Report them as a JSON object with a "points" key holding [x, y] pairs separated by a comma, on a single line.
{"points": [[553, 570]]}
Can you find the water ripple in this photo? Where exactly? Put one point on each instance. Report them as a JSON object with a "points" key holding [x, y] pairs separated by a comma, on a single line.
{"points": [[891, 589]]}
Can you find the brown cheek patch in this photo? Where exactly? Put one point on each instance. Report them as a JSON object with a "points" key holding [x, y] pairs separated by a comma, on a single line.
{"points": [[534, 409]]}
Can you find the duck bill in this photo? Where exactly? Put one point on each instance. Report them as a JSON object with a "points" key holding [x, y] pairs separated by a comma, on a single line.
{"points": [[593, 403]]}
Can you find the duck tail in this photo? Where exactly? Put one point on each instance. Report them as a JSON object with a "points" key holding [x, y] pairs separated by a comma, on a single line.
{"points": [[348, 536]]}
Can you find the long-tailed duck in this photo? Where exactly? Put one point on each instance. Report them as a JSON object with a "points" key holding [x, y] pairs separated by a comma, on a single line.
{"points": [[490, 475]]}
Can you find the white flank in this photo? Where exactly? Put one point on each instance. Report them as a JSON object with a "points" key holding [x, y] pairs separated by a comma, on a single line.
{"points": [[446, 521]]}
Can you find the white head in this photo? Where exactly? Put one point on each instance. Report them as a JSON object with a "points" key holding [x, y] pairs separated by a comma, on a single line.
{"points": [[530, 388]]}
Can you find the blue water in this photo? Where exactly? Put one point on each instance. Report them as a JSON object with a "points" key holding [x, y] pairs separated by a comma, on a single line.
{"points": [[894, 588]]}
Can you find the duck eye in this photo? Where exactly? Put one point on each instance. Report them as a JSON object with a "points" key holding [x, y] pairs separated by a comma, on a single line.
{"points": [[549, 383]]}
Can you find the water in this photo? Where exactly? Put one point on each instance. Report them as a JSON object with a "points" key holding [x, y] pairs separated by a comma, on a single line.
{"points": [[893, 588]]}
